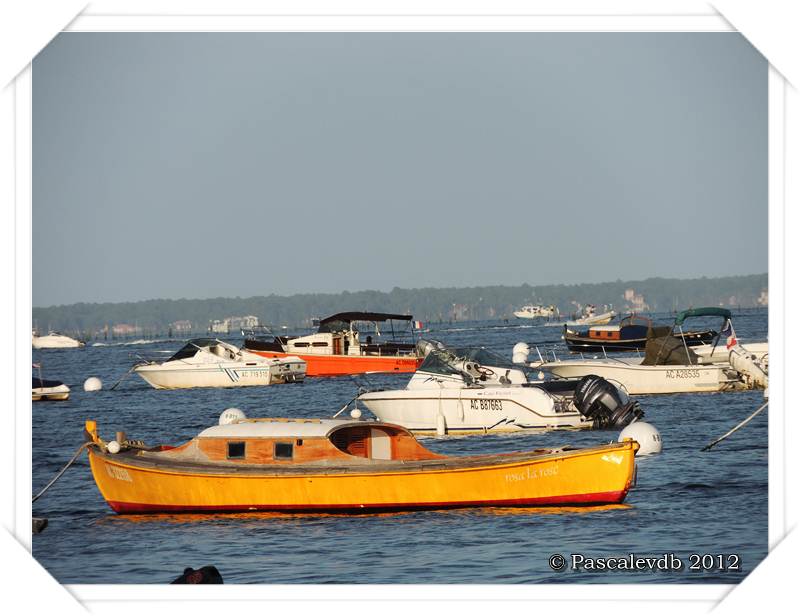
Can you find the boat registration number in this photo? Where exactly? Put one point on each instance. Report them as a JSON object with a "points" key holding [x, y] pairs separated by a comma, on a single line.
{"points": [[683, 374], [486, 405], [118, 473]]}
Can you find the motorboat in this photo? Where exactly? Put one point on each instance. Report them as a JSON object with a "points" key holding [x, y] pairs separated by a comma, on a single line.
{"points": [[47, 389], [346, 343], [54, 340], [474, 390], [670, 365], [588, 317], [630, 334], [342, 465], [535, 311], [209, 362]]}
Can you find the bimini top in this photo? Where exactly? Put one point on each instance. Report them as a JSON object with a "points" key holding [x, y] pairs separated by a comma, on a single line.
{"points": [[702, 312], [347, 317], [342, 320], [285, 428]]}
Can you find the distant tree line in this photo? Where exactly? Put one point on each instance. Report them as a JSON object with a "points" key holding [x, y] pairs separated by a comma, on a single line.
{"points": [[428, 304]]}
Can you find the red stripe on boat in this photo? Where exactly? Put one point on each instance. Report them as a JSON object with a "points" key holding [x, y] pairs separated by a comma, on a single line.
{"points": [[598, 498]]}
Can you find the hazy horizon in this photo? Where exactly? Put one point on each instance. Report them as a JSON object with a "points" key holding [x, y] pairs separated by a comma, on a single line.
{"points": [[202, 165]]}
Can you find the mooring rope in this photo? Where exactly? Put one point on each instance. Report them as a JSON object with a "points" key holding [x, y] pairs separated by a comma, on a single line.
{"points": [[61, 472], [734, 429]]}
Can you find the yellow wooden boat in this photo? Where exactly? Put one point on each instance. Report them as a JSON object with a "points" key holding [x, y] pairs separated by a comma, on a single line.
{"points": [[343, 465]]}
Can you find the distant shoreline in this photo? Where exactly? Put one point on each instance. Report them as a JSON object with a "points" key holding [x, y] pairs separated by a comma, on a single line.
{"points": [[426, 304]]}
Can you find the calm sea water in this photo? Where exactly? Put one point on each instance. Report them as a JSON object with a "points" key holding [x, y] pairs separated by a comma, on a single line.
{"points": [[686, 501]]}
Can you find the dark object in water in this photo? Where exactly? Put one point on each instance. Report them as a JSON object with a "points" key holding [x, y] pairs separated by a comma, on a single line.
{"points": [[205, 575], [39, 524]]}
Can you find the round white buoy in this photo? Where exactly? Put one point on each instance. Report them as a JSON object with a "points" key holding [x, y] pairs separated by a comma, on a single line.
{"points": [[113, 447], [92, 384], [355, 414], [520, 352], [441, 425], [230, 415], [647, 435]]}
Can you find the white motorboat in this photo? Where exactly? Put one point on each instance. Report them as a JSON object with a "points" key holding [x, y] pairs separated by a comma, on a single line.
{"points": [[535, 311], [670, 366], [208, 362], [45, 389], [589, 317], [54, 340], [477, 391]]}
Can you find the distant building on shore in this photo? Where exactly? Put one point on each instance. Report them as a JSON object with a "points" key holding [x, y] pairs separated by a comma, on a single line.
{"points": [[635, 301], [225, 326], [181, 326]]}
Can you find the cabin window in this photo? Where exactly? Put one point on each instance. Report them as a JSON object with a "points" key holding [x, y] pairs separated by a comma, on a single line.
{"points": [[319, 344], [235, 450], [300, 344], [299, 442], [284, 451]]}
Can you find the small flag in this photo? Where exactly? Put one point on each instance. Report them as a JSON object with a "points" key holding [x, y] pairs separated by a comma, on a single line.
{"points": [[37, 365], [417, 324], [730, 340]]}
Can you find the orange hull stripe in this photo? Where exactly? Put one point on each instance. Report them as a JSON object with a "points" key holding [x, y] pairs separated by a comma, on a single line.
{"points": [[337, 365]]}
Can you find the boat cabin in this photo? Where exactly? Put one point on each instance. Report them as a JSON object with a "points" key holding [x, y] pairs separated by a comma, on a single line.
{"points": [[210, 348], [298, 442], [347, 333], [632, 326]]}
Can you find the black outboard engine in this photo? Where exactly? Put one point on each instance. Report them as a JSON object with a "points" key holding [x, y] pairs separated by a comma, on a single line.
{"points": [[606, 405]]}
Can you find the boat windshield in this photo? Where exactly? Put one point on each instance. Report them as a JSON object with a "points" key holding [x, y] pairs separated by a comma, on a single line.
{"points": [[446, 361], [190, 348]]}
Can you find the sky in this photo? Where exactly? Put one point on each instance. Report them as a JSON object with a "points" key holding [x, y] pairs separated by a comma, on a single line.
{"points": [[197, 165]]}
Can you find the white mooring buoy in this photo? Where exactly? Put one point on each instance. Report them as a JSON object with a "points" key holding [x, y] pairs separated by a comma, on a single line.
{"points": [[92, 384], [230, 415], [647, 435]]}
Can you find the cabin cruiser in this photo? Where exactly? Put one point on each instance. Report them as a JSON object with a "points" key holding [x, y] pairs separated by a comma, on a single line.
{"points": [[630, 334], [534, 312], [474, 390], [346, 343], [670, 365], [208, 362], [46, 389], [330, 465], [54, 340]]}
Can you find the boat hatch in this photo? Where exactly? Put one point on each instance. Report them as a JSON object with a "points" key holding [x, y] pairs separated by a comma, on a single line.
{"points": [[352, 441]]}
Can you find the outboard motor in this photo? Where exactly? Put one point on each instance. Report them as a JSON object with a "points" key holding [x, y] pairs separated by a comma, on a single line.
{"points": [[606, 405]]}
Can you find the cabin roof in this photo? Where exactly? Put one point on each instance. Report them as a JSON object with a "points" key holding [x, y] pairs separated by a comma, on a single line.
{"points": [[281, 428]]}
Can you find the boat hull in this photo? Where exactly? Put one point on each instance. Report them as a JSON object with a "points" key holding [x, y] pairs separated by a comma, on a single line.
{"points": [[585, 344], [42, 394], [638, 379], [55, 342], [234, 375], [595, 476], [470, 411], [340, 365]]}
